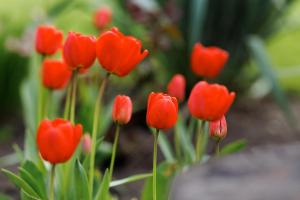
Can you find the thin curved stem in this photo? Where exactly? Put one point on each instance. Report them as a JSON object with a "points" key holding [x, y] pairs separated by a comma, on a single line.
{"points": [[94, 132], [154, 163], [73, 98], [113, 156], [199, 140], [52, 176], [217, 148], [68, 102]]}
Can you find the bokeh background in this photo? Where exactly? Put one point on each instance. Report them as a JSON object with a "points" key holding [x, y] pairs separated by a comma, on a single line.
{"points": [[264, 68]]}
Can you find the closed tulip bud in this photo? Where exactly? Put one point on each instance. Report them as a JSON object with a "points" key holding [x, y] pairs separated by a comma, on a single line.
{"points": [[162, 111], [176, 87], [57, 140], [218, 128], [48, 39], [208, 61], [55, 74], [102, 17], [122, 109], [119, 54], [79, 51], [86, 143], [209, 101]]}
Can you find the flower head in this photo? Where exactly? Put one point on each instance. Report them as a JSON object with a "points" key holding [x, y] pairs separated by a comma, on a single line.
{"points": [[218, 128], [102, 17], [176, 87], [122, 109]]}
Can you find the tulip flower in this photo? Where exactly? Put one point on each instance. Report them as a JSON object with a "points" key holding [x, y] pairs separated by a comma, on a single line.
{"points": [[162, 111], [57, 140], [121, 114], [209, 101], [102, 17], [208, 61], [48, 39], [55, 74], [117, 53], [86, 144], [79, 51], [122, 109], [176, 87]]}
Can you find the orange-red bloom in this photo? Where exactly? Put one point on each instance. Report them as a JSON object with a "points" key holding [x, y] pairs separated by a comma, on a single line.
{"points": [[79, 51], [218, 128], [55, 74], [122, 109], [48, 39], [208, 61], [176, 87], [57, 140], [162, 111], [119, 54], [209, 101], [102, 17]]}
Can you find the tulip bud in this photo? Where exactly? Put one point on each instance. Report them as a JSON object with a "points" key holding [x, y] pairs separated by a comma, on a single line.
{"points": [[176, 87], [122, 109], [55, 74], [86, 143], [119, 54], [79, 51], [218, 128], [102, 17], [162, 111], [208, 61], [48, 39], [57, 140]]}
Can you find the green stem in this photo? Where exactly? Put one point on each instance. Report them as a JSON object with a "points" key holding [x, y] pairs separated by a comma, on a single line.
{"points": [[68, 101], [217, 149], [177, 144], [47, 102], [154, 164], [94, 132], [51, 196], [40, 94], [199, 140], [73, 98], [113, 156]]}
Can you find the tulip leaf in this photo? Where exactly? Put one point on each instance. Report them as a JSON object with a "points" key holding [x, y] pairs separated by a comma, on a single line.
{"points": [[21, 183], [4, 197], [233, 147], [26, 196], [103, 191], [129, 179], [81, 182], [165, 174], [165, 147]]}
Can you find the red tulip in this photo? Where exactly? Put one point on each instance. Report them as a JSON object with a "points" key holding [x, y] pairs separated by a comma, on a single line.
{"points": [[102, 17], [55, 74], [176, 87], [209, 101], [57, 140], [218, 128], [48, 39], [79, 51], [208, 61], [86, 144], [118, 53], [162, 111], [122, 109]]}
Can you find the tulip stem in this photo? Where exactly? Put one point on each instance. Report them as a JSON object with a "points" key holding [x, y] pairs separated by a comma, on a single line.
{"points": [[67, 103], [40, 95], [52, 176], [156, 133], [177, 144], [199, 140], [94, 132], [73, 98], [217, 147], [113, 156]]}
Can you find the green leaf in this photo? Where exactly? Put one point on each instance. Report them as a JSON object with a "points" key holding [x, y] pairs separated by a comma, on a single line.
{"points": [[21, 183], [262, 60], [234, 147], [81, 182], [165, 147], [26, 196], [4, 197], [165, 174], [9, 160], [129, 179], [103, 191]]}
